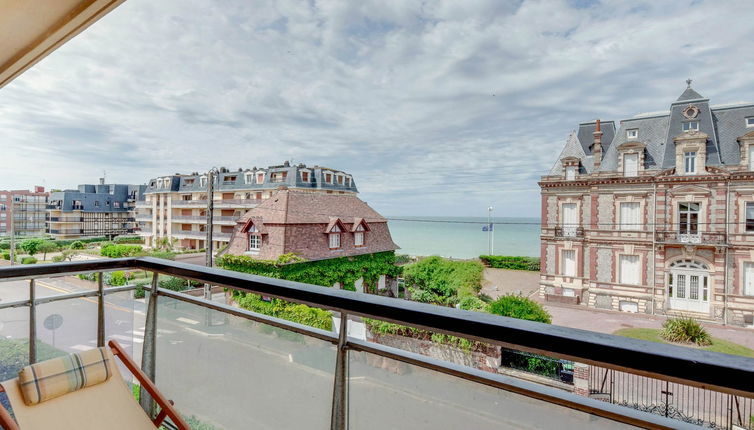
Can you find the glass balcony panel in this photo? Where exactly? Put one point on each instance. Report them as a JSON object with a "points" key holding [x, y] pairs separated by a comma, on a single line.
{"points": [[238, 374], [14, 337], [385, 393]]}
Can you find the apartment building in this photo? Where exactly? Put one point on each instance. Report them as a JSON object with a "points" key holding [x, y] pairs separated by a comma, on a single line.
{"points": [[103, 210], [655, 214], [25, 209], [175, 206]]}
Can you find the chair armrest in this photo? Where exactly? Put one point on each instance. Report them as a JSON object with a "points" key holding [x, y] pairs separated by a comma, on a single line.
{"points": [[148, 385]]}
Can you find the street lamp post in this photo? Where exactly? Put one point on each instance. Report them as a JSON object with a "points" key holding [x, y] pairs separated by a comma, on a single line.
{"points": [[490, 232]]}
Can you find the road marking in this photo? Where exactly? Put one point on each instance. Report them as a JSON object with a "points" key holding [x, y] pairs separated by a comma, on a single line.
{"points": [[63, 290], [187, 321]]}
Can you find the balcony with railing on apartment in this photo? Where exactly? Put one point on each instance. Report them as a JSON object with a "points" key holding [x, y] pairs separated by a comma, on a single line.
{"points": [[231, 368], [692, 238], [197, 234]]}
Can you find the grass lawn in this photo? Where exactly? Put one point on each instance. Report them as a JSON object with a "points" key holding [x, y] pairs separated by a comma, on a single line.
{"points": [[718, 345]]}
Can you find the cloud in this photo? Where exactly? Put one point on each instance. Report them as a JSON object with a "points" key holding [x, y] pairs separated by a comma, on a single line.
{"points": [[440, 107]]}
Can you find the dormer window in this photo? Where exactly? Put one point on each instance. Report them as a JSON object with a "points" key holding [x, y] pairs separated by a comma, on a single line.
{"points": [[570, 173], [260, 178], [203, 181], [189, 181], [750, 121], [690, 126], [328, 178], [689, 162], [304, 176], [630, 164], [358, 236], [248, 178], [334, 237], [255, 241], [632, 133]]}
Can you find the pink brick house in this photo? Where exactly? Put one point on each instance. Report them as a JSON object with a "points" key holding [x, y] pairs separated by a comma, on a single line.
{"points": [[314, 226], [655, 215]]}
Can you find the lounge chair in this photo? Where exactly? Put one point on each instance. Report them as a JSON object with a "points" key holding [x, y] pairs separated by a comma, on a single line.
{"points": [[82, 391]]}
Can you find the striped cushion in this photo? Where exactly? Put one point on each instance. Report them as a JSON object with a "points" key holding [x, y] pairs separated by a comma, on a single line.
{"points": [[53, 378]]}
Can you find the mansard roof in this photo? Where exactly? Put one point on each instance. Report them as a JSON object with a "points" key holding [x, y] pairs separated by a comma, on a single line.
{"points": [[723, 126]]}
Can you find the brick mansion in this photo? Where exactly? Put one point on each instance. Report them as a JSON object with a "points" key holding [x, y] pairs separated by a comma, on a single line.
{"points": [[655, 214]]}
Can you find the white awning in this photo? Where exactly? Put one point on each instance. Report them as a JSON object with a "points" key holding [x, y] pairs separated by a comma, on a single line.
{"points": [[32, 29]]}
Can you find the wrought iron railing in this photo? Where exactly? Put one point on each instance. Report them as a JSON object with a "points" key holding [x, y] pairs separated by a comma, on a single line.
{"points": [[701, 238], [569, 231], [237, 368]]}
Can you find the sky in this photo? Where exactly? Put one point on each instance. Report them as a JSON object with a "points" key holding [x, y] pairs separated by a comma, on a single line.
{"points": [[437, 108]]}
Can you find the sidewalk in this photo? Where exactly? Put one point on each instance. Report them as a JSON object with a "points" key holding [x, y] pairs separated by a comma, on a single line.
{"points": [[604, 321]]}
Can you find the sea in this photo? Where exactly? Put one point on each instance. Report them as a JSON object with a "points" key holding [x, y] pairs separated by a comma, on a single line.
{"points": [[464, 237]]}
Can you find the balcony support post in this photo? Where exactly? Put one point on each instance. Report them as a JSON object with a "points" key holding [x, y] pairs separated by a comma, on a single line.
{"points": [[32, 323], [100, 311], [340, 389], [148, 354]]}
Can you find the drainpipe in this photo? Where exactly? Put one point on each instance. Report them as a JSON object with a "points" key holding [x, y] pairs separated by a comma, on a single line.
{"points": [[725, 272], [654, 241]]}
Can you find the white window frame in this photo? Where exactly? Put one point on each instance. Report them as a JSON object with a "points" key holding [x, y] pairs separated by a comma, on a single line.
{"points": [[203, 181], [690, 126], [750, 121], [747, 288], [260, 177], [629, 278], [334, 240], [630, 223], [632, 133], [248, 178], [255, 240], [358, 236], [635, 170], [568, 265], [689, 162], [748, 226], [570, 173]]}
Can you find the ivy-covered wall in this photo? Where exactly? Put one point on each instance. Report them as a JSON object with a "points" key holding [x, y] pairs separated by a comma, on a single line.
{"points": [[345, 270]]}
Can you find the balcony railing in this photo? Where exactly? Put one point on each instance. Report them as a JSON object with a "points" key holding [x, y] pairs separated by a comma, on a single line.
{"points": [[237, 202], [701, 238], [193, 234], [235, 369], [569, 231], [189, 203]]}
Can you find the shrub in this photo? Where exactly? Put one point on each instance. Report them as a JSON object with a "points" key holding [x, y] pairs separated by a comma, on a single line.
{"points": [[471, 303], [176, 284], [301, 314], [58, 258], [31, 246], [139, 292], [77, 245], [118, 251], [165, 255], [511, 263], [6, 255], [117, 278], [29, 260], [685, 329], [519, 307], [440, 281]]}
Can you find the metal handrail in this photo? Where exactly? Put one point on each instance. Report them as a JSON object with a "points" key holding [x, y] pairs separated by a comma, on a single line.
{"points": [[722, 372]]}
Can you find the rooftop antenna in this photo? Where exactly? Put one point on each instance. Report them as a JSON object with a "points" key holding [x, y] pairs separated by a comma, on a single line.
{"points": [[104, 176], [688, 83]]}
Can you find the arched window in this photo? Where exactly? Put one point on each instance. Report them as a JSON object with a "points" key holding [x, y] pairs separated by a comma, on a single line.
{"points": [[689, 264]]}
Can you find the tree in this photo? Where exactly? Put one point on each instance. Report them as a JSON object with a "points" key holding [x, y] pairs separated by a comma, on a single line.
{"points": [[47, 246], [31, 246], [520, 307]]}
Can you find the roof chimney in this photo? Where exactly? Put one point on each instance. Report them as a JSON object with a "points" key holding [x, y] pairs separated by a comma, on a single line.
{"points": [[597, 146], [102, 181]]}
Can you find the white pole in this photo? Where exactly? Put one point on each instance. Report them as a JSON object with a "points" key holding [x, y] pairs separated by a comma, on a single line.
{"points": [[492, 232]]}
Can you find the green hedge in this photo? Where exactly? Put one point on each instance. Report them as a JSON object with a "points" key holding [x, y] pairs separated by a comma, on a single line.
{"points": [[116, 251], [129, 239], [301, 314], [28, 260], [67, 242], [511, 263], [440, 281]]}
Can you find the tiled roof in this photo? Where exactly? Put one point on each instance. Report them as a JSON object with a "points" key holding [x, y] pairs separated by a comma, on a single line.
{"points": [[296, 207], [689, 94], [586, 135], [651, 132], [573, 148]]}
